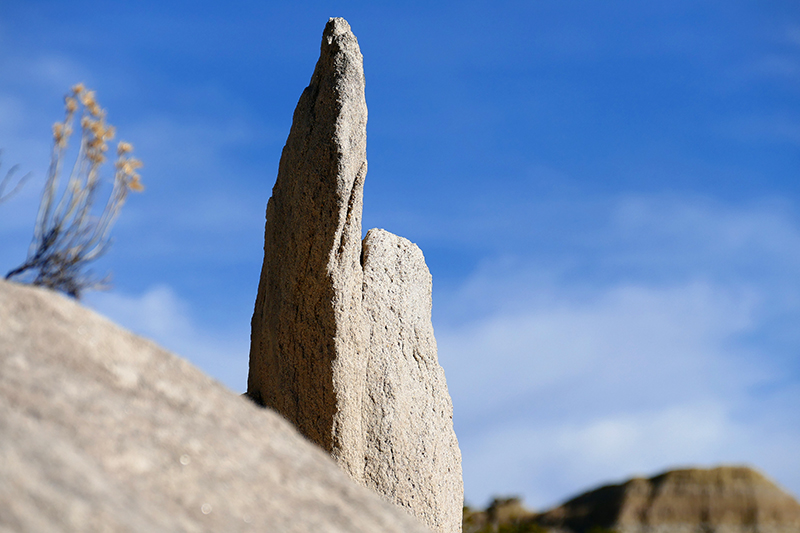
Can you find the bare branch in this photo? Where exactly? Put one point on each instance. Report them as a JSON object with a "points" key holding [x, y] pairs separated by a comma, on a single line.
{"points": [[7, 179]]}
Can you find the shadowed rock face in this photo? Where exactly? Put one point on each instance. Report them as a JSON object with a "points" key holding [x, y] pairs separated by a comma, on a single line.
{"points": [[342, 342], [101, 430], [719, 500]]}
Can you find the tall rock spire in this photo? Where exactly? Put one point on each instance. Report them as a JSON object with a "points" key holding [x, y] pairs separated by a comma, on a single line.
{"points": [[342, 342], [306, 325]]}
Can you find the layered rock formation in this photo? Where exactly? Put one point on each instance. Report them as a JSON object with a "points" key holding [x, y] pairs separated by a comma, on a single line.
{"points": [[719, 500], [342, 343], [101, 430]]}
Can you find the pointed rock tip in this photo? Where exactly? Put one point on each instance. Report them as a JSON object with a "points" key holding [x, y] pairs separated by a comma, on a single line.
{"points": [[337, 26], [338, 38]]}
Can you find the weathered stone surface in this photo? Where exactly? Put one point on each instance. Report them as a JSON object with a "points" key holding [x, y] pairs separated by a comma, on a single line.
{"points": [[101, 430], [411, 452], [346, 353], [306, 359], [718, 500]]}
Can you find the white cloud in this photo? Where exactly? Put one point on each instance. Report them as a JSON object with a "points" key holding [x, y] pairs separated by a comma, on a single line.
{"points": [[221, 350], [561, 385], [570, 396], [157, 313], [548, 462], [626, 336]]}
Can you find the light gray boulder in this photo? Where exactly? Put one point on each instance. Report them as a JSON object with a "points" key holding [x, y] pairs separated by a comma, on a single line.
{"points": [[342, 341], [411, 451], [101, 430]]}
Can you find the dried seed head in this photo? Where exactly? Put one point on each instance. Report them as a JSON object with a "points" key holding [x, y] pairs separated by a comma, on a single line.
{"points": [[135, 185], [87, 98], [95, 156], [60, 133]]}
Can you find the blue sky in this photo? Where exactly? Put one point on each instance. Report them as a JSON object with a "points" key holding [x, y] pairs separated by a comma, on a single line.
{"points": [[606, 194]]}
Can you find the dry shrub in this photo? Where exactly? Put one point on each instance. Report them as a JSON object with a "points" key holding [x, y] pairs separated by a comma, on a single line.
{"points": [[67, 235], [7, 180]]}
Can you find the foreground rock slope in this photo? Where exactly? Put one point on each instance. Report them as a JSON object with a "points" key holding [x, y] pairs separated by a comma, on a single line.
{"points": [[342, 342], [101, 430]]}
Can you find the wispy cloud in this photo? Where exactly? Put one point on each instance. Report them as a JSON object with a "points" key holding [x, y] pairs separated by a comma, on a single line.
{"points": [[560, 385], [549, 461], [781, 128], [160, 314], [780, 61], [793, 35]]}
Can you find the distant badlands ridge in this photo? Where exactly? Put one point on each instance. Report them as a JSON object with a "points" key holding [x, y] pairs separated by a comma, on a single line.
{"points": [[725, 499]]}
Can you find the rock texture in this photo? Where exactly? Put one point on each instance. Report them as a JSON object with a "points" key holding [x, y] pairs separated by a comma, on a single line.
{"points": [[411, 452], [309, 295], [342, 343], [718, 500], [101, 430]]}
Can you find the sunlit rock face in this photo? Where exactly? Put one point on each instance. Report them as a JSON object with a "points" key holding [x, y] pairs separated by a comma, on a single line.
{"points": [[306, 355], [101, 430], [410, 449], [342, 342], [719, 500]]}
